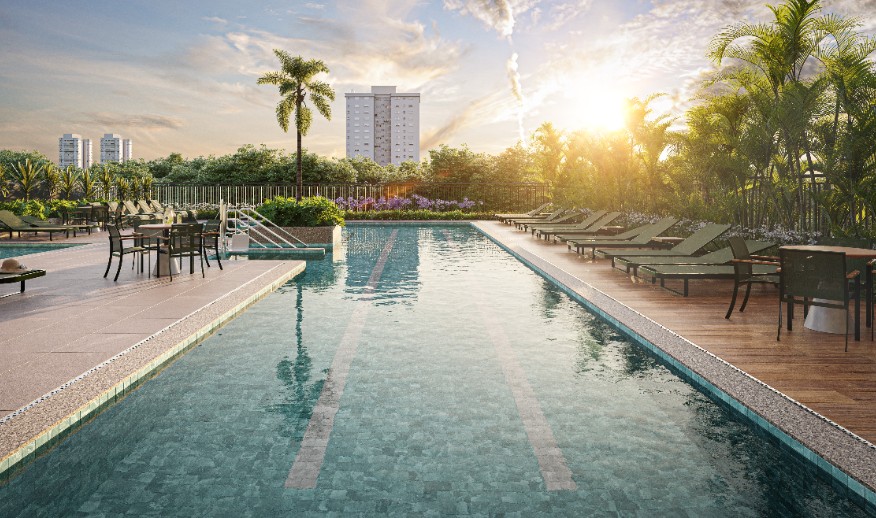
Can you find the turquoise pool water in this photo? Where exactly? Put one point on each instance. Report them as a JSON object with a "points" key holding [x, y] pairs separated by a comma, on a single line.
{"points": [[18, 250], [461, 383]]}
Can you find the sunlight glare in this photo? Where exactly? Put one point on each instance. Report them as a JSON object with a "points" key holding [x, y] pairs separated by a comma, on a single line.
{"points": [[599, 108]]}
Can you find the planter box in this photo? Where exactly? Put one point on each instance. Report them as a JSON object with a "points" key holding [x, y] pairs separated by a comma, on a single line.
{"points": [[329, 237]]}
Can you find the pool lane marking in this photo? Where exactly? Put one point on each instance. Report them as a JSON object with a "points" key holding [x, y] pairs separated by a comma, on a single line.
{"points": [[308, 462], [551, 461]]}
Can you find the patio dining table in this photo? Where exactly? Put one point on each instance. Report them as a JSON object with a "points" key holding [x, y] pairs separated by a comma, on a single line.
{"points": [[830, 320], [163, 265]]}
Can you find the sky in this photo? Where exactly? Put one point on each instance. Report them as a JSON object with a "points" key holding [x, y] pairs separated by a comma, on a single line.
{"points": [[180, 76]]}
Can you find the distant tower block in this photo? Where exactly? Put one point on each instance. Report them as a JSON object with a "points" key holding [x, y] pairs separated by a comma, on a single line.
{"points": [[384, 125], [74, 151], [114, 148]]}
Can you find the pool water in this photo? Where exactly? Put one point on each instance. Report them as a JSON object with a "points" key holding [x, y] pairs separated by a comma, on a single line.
{"points": [[18, 250], [461, 383]]}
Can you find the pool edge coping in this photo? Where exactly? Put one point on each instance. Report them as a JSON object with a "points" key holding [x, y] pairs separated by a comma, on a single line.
{"points": [[773, 420], [60, 427]]}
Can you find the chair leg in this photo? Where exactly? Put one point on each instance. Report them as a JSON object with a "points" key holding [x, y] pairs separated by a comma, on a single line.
{"points": [[218, 259], [732, 300], [119, 270], [108, 264], [779, 332], [745, 299]]}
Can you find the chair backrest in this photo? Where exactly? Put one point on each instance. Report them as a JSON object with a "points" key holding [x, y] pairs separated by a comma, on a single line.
{"points": [[653, 230], [115, 238], [702, 237], [590, 220], [185, 238], [814, 274], [144, 206], [212, 225], [156, 207]]}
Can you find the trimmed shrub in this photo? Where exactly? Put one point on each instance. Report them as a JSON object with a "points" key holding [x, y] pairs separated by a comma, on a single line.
{"points": [[310, 212]]}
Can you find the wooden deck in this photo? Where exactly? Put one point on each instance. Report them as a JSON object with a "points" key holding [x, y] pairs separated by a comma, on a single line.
{"points": [[807, 366]]}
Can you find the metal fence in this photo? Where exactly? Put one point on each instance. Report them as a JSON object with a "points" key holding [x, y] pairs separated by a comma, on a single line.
{"points": [[489, 197]]}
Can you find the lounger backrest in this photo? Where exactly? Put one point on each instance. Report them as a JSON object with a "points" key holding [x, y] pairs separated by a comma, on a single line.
{"points": [[130, 207], [653, 230], [538, 209], [11, 220], [591, 220], [144, 206], [702, 237], [604, 220]]}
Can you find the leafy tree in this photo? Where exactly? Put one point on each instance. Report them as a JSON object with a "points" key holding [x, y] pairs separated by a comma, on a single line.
{"points": [[105, 178], [295, 81], [4, 183], [86, 183], [52, 179], [27, 175], [68, 182]]}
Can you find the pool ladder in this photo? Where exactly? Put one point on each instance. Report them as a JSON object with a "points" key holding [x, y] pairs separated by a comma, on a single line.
{"points": [[246, 221]]}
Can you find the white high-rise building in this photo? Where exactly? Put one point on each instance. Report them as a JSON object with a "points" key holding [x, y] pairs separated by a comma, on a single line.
{"points": [[74, 150], [384, 125], [113, 148]]}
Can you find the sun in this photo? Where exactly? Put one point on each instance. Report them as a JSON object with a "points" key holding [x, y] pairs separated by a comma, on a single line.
{"points": [[598, 109]]}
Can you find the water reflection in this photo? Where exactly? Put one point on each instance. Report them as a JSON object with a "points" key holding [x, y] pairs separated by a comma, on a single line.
{"points": [[302, 393]]}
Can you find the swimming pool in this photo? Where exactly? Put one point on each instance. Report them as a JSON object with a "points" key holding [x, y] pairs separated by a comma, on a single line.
{"points": [[18, 250], [462, 383]]}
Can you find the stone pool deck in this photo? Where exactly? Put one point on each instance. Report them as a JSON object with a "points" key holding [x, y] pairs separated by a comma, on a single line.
{"points": [[74, 341], [804, 389]]}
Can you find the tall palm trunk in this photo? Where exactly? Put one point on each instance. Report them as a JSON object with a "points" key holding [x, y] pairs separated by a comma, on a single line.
{"points": [[299, 183]]}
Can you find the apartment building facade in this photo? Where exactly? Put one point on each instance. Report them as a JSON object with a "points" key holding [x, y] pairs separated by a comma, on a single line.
{"points": [[113, 148], [383, 125], [73, 150]]}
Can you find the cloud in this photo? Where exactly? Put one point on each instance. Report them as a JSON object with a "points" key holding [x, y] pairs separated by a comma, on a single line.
{"points": [[142, 122], [216, 19], [497, 15]]}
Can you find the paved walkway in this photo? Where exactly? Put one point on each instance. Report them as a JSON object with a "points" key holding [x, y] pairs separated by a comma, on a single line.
{"points": [[75, 340]]}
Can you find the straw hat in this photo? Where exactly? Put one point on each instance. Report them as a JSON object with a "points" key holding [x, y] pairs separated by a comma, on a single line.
{"points": [[12, 266]]}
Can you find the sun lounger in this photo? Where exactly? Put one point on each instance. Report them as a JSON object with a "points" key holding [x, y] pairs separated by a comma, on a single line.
{"points": [[594, 223], [645, 239], [722, 256], [12, 223], [584, 236], [688, 272], [505, 218], [687, 247], [41, 223], [565, 217], [6, 278]]}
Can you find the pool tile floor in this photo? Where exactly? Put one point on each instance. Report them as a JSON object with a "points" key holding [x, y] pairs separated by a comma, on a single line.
{"points": [[73, 320]]}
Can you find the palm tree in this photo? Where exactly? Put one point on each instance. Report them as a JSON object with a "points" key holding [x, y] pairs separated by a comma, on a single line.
{"points": [[106, 178], [28, 176], [87, 183], [295, 80], [52, 178], [4, 185], [69, 181]]}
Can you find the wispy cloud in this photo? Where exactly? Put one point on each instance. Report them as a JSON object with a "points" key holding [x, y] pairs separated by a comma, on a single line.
{"points": [[139, 121]]}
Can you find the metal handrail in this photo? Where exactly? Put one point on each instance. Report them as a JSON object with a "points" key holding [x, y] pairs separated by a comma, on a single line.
{"points": [[246, 219]]}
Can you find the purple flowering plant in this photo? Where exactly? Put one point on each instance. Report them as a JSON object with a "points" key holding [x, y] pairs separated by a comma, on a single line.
{"points": [[397, 203]]}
